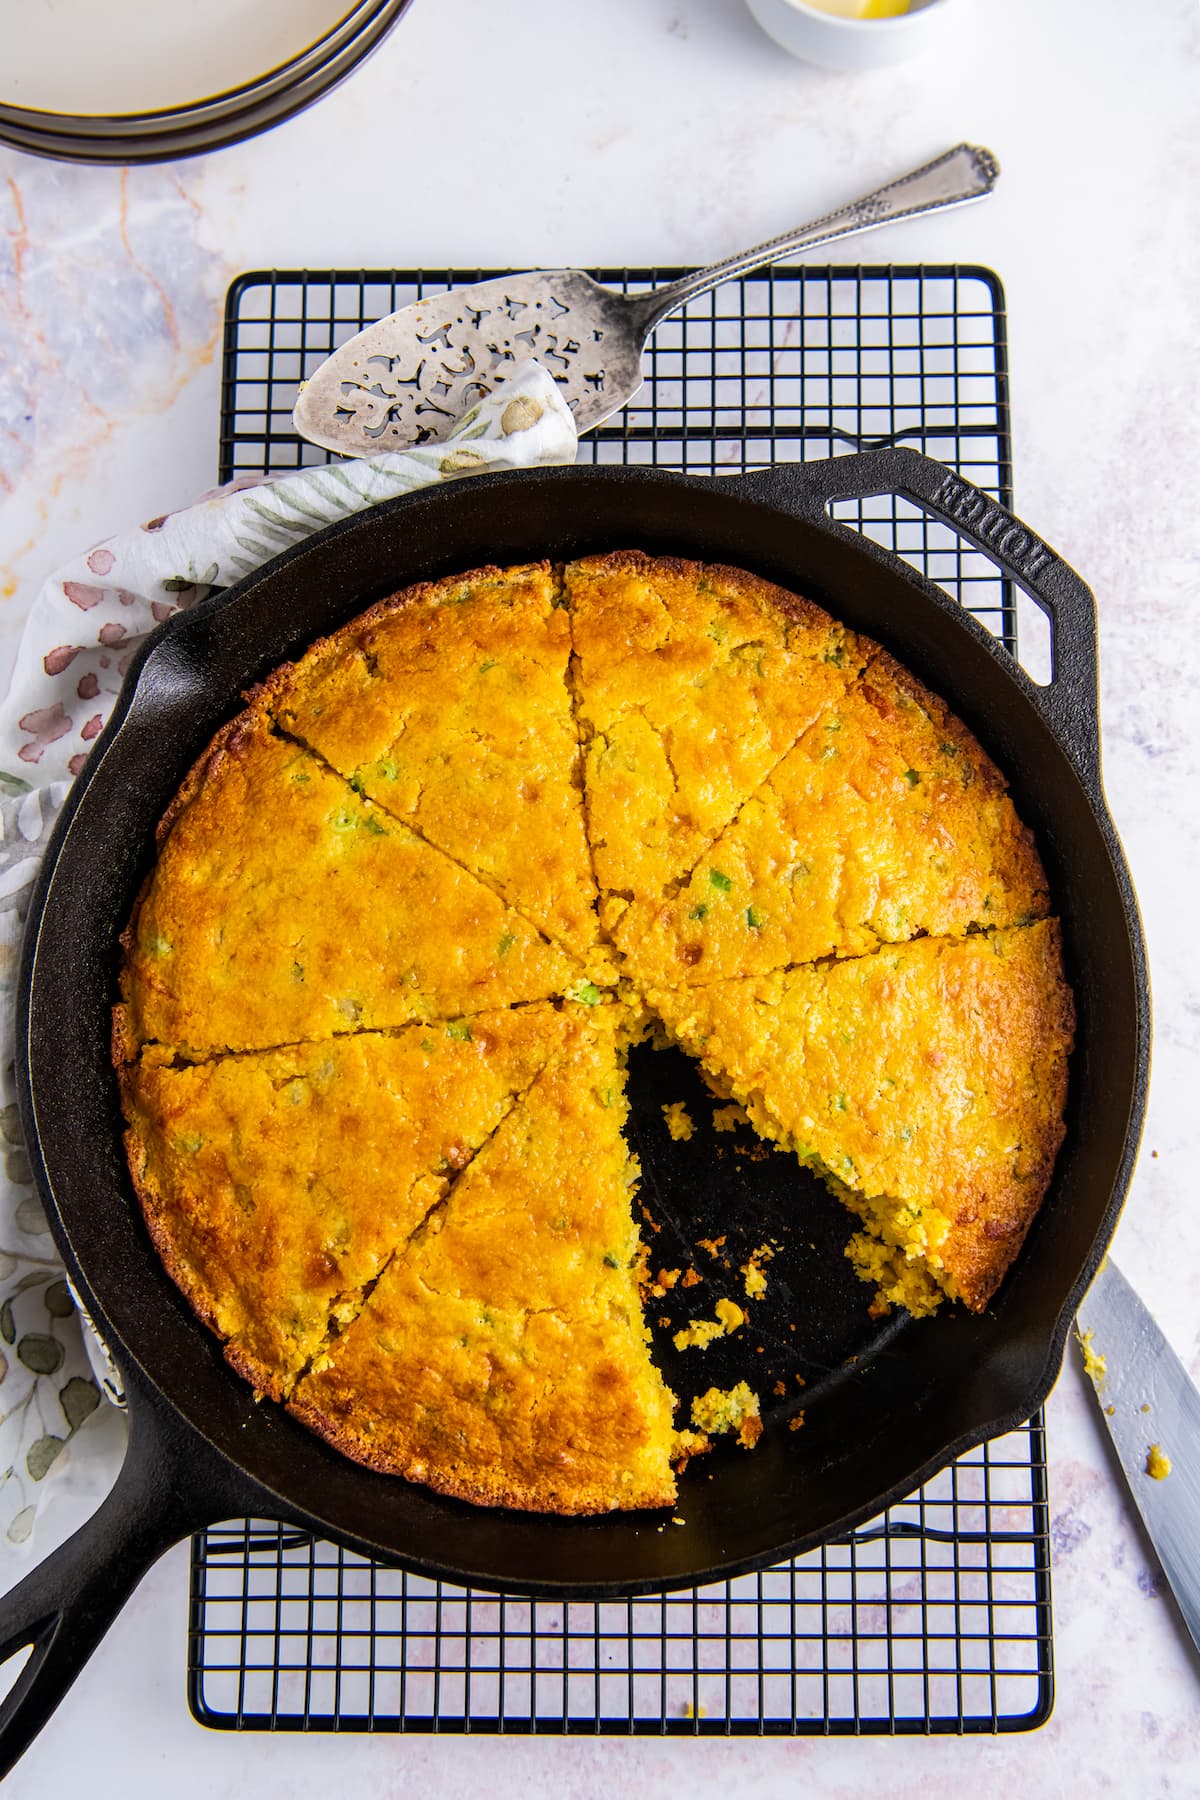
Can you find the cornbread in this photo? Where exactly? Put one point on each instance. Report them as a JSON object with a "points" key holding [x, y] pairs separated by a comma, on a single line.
{"points": [[413, 905], [503, 1356], [448, 705], [729, 1409], [277, 1185], [885, 821], [692, 682], [926, 1082], [261, 923]]}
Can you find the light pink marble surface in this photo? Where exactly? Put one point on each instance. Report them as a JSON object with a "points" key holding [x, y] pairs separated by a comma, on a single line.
{"points": [[642, 131]]}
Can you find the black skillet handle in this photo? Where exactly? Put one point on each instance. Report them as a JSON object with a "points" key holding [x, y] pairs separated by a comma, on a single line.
{"points": [[171, 1484], [1070, 701]]}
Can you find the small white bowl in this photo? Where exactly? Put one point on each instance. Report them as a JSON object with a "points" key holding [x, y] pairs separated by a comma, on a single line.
{"points": [[838, 43]]}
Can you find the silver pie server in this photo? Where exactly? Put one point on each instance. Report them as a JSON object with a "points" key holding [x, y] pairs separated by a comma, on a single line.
{"points": [[409, 377]]}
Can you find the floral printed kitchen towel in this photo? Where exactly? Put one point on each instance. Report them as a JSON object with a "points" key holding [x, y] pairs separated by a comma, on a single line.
{"points": [[84, 628]]}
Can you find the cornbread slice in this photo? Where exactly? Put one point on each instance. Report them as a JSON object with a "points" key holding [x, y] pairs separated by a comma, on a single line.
{"points": [[283, 906], [692, 681], [503, 1357], [276, 1185], [448, 705], [925, 1082], [885, 821]]}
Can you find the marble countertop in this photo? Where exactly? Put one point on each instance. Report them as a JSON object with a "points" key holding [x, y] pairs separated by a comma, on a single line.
{"points": [[672, 131]]}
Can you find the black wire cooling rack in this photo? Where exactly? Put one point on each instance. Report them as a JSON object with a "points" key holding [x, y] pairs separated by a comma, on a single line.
{"points": [[935, 1617]]}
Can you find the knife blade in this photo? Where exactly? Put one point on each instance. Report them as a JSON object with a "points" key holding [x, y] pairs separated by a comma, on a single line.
{"points": [[1150, 1404]]}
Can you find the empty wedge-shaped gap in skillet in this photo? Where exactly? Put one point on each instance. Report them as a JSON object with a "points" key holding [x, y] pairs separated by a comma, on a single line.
{"points": [[503, 1356], [448, 705], [276, 1186], [692, 681], [885, 821], [925, 1081], [284, 906]]}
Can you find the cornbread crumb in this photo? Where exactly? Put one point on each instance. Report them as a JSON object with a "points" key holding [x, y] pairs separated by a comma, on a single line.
{"points": [[691, 1278], [797, 1423], [700, 1712], [779, 1389], [756, 1281], [1158, 1463], [699, 1334], [1094, 1364], [668, 1277], [728, 1118], [688, 1444], [712, 1245], [730, 1409], [679, 1122]]}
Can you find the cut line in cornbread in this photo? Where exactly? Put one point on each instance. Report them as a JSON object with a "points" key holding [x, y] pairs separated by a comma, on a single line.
{"points": [[885, 822], [925, 1082], [692, 681], [276, 1186], [284, 907], [503, 1357], [448, 705]]}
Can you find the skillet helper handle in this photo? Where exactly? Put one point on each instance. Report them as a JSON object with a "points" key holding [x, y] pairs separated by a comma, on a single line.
{"points": [[65, 1605], [1070, 701]]}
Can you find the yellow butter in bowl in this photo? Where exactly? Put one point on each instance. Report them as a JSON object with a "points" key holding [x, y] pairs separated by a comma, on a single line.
{"points": [[861, 9]]}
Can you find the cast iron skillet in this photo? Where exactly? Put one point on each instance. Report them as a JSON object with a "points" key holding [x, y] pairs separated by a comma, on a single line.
{"points": [[200, 1449]]}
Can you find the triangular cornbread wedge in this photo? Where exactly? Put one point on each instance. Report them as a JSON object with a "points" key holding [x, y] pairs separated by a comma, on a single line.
{"points": [[276, 1185], [503, 1357], [283, 906], [926, 1081], [691, 681], [885, 821], [448, 705]]}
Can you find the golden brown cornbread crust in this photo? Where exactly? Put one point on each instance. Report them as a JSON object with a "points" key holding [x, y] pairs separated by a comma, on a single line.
{"points": [[514, 1362], [311, 838], [734, 581], [286, 1179]]}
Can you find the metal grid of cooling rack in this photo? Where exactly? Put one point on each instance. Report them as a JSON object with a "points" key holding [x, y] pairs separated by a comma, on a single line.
{"points": [[934, 1618]]}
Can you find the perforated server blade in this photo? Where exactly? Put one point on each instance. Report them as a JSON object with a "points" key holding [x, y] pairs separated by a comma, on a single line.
{"points": [[409, 377]]}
